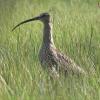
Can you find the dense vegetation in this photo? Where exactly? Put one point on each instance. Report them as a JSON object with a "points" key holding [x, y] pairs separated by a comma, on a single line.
{"points": [[76, 28]]}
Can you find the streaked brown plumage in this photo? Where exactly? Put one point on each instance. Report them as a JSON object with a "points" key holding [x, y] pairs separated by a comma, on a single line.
{"points": [[52, 59]]}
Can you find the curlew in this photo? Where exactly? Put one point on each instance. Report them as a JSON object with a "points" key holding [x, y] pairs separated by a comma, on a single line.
{"points": [[51, 59]]}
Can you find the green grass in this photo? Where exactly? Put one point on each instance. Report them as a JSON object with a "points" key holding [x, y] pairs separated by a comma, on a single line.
{"points": [[76, 33]]}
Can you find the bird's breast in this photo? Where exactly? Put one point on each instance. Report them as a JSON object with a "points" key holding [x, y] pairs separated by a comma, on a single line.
{"points": [[42, 55], [46, 57]]}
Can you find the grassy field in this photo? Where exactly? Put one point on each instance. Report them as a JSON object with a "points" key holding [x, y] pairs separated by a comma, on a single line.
{"points": [[76, 28]]}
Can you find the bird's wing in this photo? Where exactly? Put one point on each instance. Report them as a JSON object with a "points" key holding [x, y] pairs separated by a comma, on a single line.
{"points": [[68, 64]]}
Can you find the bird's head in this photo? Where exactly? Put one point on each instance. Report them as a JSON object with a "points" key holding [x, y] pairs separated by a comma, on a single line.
{"points": [[44, 17]]}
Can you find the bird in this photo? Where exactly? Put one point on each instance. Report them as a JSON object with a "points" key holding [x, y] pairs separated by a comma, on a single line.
{"points": [[51, 59]]}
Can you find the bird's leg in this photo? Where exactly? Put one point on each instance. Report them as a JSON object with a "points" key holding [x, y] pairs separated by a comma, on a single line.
{"points": [[53, 73]]}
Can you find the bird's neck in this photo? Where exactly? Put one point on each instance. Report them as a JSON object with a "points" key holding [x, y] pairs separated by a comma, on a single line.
{"points": [[47, 34]]}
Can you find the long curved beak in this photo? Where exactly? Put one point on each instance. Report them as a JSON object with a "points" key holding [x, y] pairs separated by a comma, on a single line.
{"points": [[29, 20]]}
